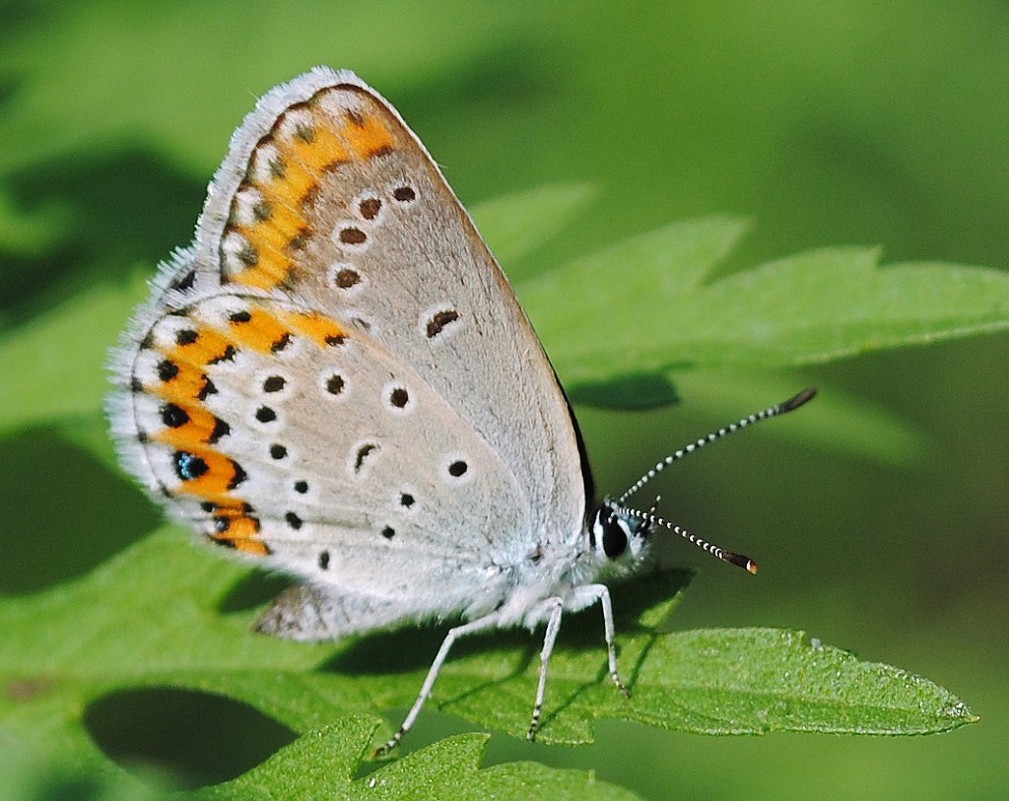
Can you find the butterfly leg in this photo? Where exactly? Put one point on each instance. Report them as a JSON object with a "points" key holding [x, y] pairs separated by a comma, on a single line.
{"points": [[584, 597], [487, 622], [609, 632], [552, 610], [554, 607]]}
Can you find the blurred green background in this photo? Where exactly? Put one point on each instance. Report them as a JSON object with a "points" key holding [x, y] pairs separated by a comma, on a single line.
{"points": [[828, 124]]}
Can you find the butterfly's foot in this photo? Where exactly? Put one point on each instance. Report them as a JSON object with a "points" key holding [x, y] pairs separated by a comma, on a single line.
{"points": [[534, 724], [384, 750]]}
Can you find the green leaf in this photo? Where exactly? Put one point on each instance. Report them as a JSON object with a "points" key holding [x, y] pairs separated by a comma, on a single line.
{"points": [[517, 224], [54, 365], [151, 618], [836, 423], [29, 775], [322, 764], [752, 681], [645, 305], [28, 234]]}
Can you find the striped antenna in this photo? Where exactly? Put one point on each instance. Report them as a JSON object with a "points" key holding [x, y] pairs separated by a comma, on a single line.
{"points": [[778, 409], [652, 519]]}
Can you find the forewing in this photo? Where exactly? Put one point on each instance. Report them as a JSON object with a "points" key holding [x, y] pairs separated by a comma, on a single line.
{"points": [[337, 376]]}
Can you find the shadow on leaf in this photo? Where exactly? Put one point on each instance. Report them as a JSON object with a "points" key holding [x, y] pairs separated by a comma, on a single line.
{"points": [[255, 589], [46, 544], [191, 738], [636, 392], [122, 207]]}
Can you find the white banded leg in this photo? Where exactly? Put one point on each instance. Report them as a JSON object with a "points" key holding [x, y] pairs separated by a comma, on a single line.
{"points": [[487, 622], [582, 597], [556, 612], [609, 632]]}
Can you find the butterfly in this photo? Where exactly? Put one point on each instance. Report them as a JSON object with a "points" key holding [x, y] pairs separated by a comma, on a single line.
{"points": [[336, 380]]}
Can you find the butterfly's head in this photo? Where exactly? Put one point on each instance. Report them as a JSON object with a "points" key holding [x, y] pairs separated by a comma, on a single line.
{"points": [[623, 535], [619, 536]]}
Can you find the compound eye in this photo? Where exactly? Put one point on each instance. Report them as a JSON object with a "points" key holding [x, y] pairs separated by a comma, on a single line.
{"points": [[614, 536]]}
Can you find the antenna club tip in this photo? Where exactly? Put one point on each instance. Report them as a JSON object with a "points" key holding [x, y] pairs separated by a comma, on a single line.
{"points": [[739, 560], [798, 400]]}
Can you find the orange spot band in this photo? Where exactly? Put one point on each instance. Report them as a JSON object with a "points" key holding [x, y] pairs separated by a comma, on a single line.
{"points": [[367, 136]]}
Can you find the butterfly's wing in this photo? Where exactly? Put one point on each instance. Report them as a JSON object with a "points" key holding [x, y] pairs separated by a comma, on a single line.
{"points": [[337, 377]]}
